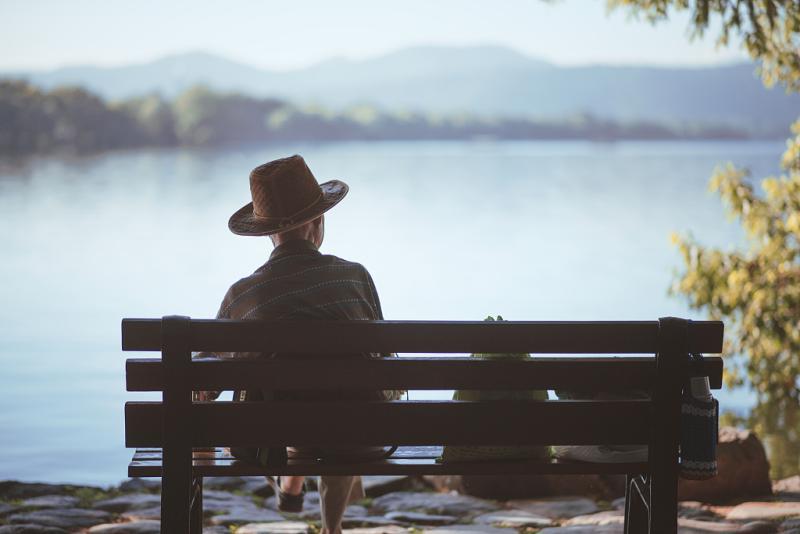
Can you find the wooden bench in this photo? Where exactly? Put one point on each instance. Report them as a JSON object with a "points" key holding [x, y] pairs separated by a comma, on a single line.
{"points": [[176, 425]]}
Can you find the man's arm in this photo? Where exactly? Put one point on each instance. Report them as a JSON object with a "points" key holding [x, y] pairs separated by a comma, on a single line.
{"points": [[221, 314]]}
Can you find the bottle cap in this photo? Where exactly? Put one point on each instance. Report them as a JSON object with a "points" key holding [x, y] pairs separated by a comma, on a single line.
{"points": [[701, 389]]}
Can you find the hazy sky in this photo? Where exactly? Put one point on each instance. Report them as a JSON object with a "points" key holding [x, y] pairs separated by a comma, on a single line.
{"points": [[39, 34]]}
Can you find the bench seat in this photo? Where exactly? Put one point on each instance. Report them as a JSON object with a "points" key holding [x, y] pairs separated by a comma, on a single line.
{"points": [[147, 462]]}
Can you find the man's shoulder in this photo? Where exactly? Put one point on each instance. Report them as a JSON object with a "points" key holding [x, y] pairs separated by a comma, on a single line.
{"points": [[332, 260], [309, 266]]}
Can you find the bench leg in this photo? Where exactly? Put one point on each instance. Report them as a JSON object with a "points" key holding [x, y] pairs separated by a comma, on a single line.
{"points": [[176, 427], [196, 511], [664, 503], [636, 506], [671, 370], [176, 494]]}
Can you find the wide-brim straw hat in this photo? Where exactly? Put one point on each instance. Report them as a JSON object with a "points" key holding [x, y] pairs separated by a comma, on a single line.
{"points": [[285, 195]]}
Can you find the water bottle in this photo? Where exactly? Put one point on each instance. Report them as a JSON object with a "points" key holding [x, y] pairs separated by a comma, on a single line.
{"points": [[700, 388], [699, 422]]}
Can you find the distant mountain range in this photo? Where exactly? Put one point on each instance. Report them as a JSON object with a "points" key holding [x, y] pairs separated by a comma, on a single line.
{"points": [[482, 81]]}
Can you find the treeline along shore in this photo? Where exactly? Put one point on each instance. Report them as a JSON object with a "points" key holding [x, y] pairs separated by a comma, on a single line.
{"points": [[73, 119]]}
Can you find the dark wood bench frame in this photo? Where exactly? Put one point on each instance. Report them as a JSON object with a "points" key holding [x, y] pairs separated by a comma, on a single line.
{"points": [[177, 424]]}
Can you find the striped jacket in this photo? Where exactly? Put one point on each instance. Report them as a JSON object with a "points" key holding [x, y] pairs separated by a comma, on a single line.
{"points": [[300, 283]]}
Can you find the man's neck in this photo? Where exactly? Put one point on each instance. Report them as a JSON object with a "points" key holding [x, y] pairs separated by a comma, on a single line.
{"points": [[293, 246]]}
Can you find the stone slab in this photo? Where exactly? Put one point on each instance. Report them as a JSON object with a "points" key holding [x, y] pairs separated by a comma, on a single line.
{"points": [[30, 529], [433, 503], [6, 508], [388, 529], [695, 526], [584, 529], [556, 507], [220, 502], [145, 513], [609, 517], [279, 527], [246, 514], [51, 501], [469, 529], [764, 510], [312, 513], [418, 518], [128, 502], [790, 524], [69, 519], [145, 526], [696, 510], [513, 519], [369, 521], [375, 486], [223, 495]]}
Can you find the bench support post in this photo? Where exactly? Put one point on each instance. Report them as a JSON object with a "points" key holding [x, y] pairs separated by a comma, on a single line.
{"points": [[636, 507], [196, 512], [176, 486], [671, 364]]}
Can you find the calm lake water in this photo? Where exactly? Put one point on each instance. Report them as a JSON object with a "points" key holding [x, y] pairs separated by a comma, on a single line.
{"points": [[449, 230]]}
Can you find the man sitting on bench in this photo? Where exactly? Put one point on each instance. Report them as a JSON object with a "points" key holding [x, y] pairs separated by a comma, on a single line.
{"points": [[300, 283]]}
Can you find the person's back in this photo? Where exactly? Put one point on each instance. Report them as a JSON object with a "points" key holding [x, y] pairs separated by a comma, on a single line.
{"points": [[300, 283]]}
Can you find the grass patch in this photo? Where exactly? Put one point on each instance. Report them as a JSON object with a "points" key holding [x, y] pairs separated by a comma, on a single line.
{"points": [[604, 505], [88, 496]]}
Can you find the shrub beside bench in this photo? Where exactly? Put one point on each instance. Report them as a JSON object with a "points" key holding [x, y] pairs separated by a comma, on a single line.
{"points": [[166, 432]]}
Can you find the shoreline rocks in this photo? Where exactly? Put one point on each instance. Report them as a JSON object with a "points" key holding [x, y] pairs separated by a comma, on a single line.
{"points": [[397, 506], [605, 487], [741, 458]]}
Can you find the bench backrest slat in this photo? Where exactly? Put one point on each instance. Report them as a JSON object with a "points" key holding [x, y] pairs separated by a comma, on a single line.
{"points": [[326, 337], [630, 372], [405, 423]]}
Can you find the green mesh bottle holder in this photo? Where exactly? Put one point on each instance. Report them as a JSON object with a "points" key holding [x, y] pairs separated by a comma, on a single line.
{"points": [[476, 453]]}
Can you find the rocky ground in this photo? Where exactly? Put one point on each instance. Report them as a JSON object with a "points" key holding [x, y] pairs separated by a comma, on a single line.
{"points": [[394, 505]]}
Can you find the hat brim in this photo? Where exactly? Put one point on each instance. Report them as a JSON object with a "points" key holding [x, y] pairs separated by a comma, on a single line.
{"points": [[245, 222]]}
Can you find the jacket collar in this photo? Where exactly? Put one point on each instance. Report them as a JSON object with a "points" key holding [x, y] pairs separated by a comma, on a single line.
{"points": [[295, 246]]}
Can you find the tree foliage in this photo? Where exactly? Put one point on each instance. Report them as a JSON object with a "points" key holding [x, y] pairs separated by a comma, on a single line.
{"points": [[33, 120], [71, 119], [756, 291], [769, 29], [205, 117], [154, 117]]}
